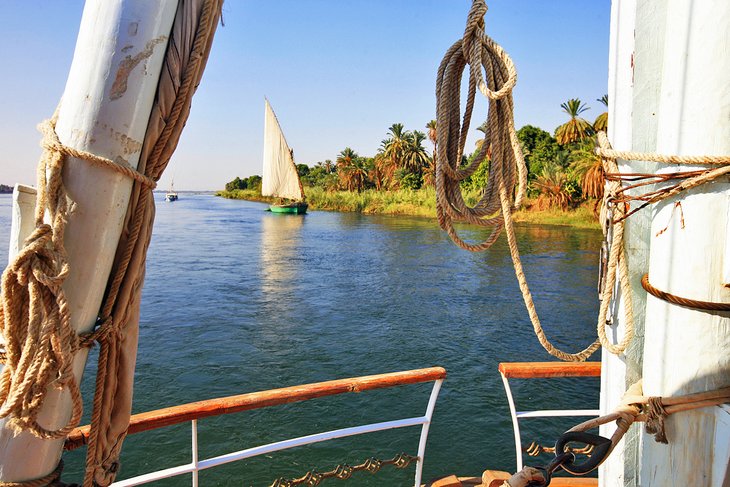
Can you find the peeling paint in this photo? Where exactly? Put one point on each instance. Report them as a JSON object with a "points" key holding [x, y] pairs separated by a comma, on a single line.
{"points": [[126, 65], [127, 144]]}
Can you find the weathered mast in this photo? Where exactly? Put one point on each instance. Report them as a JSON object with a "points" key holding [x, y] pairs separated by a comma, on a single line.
{"points": [[668, 92], [105, 111]]}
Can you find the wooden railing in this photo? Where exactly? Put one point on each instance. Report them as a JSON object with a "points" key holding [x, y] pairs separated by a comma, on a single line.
{"points": [[194, 411], [543, 370]]}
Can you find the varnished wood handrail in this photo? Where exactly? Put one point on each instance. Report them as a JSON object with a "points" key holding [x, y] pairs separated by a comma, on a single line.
{"points": [[257, 400], [542, 370]]}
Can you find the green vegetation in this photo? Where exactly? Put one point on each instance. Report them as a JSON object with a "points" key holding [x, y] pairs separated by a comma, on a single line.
{"points": [[565, 177]]}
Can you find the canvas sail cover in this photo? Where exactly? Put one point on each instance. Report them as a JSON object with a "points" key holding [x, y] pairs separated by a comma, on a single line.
{"points": [[280, 176]]}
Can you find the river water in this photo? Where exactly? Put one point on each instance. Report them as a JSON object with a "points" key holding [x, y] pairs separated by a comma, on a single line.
{"points": [[238, 300]]}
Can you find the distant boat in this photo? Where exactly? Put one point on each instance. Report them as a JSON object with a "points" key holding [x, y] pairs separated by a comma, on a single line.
{"points": [[280, 178], [171, 195]]}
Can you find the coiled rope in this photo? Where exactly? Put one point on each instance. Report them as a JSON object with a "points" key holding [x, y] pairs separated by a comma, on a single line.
{"points": [[40, 342], [507, 179], [508, 175]]}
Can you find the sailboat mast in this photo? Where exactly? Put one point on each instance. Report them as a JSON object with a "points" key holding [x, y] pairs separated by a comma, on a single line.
{"points": [[668, 91], [104, 94]]}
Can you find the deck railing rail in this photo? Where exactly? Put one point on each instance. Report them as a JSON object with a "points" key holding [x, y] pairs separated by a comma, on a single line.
{"points": [[543, 370], [192, 412]]}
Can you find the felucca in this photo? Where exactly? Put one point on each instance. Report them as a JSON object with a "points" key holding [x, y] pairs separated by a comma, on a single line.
{"points": [[280, 178], [668, 94]]}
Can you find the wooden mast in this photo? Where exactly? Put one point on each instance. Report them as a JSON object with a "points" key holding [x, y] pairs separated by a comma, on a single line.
{"points": [[106, 106]]}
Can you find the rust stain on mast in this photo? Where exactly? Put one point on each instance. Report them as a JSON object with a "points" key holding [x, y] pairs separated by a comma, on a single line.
{"points": [[119, 87]]}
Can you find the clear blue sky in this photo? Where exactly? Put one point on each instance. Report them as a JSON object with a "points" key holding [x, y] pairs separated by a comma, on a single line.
{"points": [[338, 74]]}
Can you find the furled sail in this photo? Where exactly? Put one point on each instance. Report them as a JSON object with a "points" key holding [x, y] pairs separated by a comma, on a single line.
{"points": [[280, 176]]}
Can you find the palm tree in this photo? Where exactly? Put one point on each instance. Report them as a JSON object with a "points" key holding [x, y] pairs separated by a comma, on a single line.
{"points": [[394, 146], [357, 173], [552, 187], [415, 157], [601, 123], [344, 161], [576, 128], [586, 167], [429, 172]]}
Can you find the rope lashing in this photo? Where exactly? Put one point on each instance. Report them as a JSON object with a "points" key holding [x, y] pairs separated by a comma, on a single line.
{"points": [[652, 410], [51, 479], [688, 179], [633, 407], [679, 300], [35, 321]]}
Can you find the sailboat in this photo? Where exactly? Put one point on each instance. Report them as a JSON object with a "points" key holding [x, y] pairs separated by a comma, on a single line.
{"points": [[171, 195], [280, 178], [683, 350]]}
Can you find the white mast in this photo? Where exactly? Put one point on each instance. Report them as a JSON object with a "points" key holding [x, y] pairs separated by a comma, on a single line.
{"points": [[678, 101], [106, 107], [280, 177]]}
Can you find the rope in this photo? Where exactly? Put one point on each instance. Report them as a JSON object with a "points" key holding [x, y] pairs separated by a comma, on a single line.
{"points": [[652, 410], [506, 165], [47, 480], [40, 342], [679, 300], [507, 174]]}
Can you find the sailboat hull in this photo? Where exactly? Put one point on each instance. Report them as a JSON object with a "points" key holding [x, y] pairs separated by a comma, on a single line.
{"points": [[298, 208]]}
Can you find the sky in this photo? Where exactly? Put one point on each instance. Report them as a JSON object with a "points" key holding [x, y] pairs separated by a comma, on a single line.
{"points": [[338, 73]]}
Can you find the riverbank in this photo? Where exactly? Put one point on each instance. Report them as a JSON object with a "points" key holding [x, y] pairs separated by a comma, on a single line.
{"points": [[420, 203]]}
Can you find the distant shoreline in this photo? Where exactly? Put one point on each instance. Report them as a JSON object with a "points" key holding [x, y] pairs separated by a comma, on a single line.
{"points": [[418, 203]]}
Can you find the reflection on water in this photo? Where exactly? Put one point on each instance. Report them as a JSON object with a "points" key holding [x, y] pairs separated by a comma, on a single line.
{"points": [[280, 242], [237, 299]]}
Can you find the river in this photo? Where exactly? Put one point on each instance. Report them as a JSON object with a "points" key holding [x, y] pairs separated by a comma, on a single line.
{"points": [[237, 300]]}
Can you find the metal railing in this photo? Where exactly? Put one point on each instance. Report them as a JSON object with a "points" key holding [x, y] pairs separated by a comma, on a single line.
{"points": [[193, 412], [537, 370]]}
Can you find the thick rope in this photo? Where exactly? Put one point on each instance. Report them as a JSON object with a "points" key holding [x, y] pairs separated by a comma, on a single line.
{"points": [[679, 300], [507, 174], [507, 179], [652, 410], [52, 479], [634, 406], [36, 326]]}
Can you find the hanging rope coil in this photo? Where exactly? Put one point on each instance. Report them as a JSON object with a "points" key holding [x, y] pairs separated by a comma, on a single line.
{"points": [[507, 166], [507, 175]]}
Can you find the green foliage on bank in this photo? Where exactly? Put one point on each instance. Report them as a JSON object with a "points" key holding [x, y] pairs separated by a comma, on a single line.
{"points": [[565, 177]]}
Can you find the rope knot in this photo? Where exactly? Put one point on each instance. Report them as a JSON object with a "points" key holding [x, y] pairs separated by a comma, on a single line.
{"points": [[655, 415]]}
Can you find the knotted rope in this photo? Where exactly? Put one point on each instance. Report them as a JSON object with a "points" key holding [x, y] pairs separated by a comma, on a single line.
{"points": [[634, 406], [39, 340], [652, 410], [507, 179], [507, 174]]}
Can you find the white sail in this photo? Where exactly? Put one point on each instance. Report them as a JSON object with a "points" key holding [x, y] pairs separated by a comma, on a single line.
{"points": [[280, 176]]}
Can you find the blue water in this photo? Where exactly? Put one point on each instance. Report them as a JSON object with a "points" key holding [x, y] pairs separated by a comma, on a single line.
{"points": [[237, 300]]}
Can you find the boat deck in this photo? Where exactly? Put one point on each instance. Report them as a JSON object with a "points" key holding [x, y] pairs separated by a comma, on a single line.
{"points": [[495, 478]]}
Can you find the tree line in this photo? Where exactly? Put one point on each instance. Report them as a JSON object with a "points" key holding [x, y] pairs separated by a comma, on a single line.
{"points": [[562, 168]]}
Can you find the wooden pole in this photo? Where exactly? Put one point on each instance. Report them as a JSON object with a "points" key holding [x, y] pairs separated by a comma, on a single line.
{"points": [[106, 106]]}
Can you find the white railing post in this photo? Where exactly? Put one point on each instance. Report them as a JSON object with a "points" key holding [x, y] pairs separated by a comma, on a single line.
{"points": [[515, 423], [194, 424], [424, 431]]}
